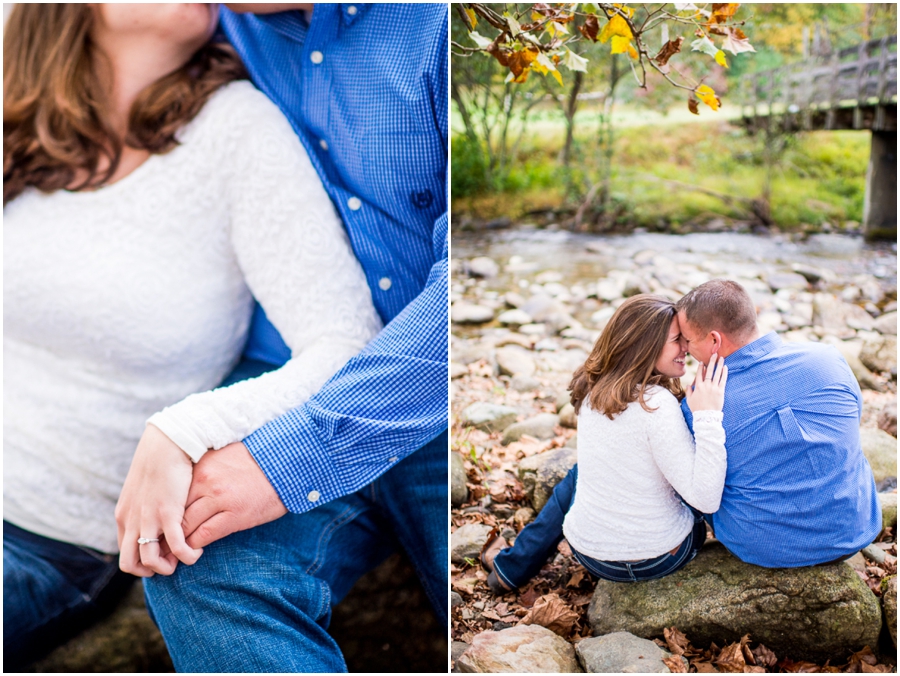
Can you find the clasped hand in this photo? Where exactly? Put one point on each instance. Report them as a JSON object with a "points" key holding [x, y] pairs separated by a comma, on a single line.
{"points": [[181, 507], [707, 393]]}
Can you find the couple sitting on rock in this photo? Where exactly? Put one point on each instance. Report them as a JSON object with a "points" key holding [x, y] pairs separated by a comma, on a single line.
{"points": [[775, 467]]}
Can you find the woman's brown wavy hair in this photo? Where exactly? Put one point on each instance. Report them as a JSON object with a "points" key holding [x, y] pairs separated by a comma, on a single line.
{"points": [[54, 105], [622, 364]]}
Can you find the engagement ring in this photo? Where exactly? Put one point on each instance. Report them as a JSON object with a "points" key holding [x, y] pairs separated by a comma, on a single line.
{"points": [[143, 541]]}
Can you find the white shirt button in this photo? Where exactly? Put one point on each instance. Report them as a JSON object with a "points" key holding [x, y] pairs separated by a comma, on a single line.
{"points": [[313, 496], [323, 144], [354, 203], [384, 284], [351, 10], [317, 57]]}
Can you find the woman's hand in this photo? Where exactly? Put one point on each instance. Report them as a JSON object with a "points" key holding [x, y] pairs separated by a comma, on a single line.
{"points": [[152, 506], [708, 390]]}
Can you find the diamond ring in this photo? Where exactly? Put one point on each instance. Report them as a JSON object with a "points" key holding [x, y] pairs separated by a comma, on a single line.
{"points": [[143, 541]]}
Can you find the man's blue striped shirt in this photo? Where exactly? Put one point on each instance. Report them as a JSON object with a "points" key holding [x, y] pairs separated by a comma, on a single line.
{"points": [[365, 88]]}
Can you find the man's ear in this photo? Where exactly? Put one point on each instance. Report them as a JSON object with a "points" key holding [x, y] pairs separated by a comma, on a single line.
{"points": [[717, 340]]}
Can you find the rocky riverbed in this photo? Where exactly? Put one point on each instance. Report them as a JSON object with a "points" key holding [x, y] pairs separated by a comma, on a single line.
{"points": [[527, 306]]}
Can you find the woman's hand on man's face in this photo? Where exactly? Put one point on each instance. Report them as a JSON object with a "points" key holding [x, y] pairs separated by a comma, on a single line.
{"points": [[151, 506], [708, 390]]}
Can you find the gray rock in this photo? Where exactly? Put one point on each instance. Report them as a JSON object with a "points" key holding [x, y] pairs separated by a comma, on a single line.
{"points": [[458, 370], [468, 353], [602, 316], [467, 541], [469, 313], [609, 289], [562, 399], [833, 314], [880, 449], [888, 503], [813, 275], [483, 267], [514, 338], [455, 602], [874, 554], [864, 377], [835, 245], [540, 473], [515, 361], [887, 324], [572, 442], [887, 418], [541, 307], [567, 417], [488, 417], [524, 649], [813, 613], [533, 329], [515, 317], [540, 427], [880, 354], [459, 492], [786, 280], [621, 653], [524, 383], [889, 599], [514, 299]]}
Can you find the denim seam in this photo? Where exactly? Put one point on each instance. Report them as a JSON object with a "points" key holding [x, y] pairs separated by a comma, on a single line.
{"points": [[503, 577], [343, 518]]}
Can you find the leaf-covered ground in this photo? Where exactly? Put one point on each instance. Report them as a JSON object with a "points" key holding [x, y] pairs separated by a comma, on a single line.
{"points": [[558, 597]]}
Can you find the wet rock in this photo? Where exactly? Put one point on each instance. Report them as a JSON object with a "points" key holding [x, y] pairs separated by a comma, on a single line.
{"points": [[887, 324], [469, 313], [524, 383], [488, 417], [515, 361], [468, 541], [786, 280], [880, 449], [483, 267], [888, 503], [526, 649], [880, 354], [621, 653], [457, 370], [540, 473], [459, 492], [540, 427], [814, 613], [887, 418], [567, 417], [889, 599], [515, 317]]}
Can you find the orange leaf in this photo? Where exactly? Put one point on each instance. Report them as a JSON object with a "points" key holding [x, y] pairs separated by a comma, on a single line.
{"points": [[706, 94]]}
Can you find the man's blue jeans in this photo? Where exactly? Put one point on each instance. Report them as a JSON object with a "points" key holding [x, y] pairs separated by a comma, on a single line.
{"points": [[260, 600], [516, 565]]}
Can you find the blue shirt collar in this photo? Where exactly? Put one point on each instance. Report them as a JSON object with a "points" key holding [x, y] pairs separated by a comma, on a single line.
{"points": [[292, 24], [753, 352]]}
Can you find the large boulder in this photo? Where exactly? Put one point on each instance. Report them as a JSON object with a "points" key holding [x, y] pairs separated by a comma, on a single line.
{"points": [[541, 426], [466, 542], [833, 314], [889, 600], [887, 418], [814, 613], [880, 449], [523, 649], [888, 502], [540, 473], [459, 492], [887, 323], [880, 354], [621, 653], [488, 417], [515, 361]]}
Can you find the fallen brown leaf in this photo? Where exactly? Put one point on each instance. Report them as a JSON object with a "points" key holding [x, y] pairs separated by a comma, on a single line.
{"points": [[551, 612], [704, 667], [528, 597], [764, 657], [731, 659], [676, 641], [576, 578], [791, 667], [675, 664]]}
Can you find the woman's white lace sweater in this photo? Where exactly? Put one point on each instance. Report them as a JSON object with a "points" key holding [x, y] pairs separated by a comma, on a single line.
{"points": [[123, 301], [629, 469]]}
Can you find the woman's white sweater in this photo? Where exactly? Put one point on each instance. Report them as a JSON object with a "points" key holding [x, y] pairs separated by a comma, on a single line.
{"points": [[631, 471]]}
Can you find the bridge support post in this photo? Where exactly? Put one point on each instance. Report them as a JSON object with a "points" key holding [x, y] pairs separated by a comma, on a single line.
{"points": [[880, 206]]}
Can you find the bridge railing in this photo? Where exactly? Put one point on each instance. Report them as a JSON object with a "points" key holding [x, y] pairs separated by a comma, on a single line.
{"points": [[861, 76]]}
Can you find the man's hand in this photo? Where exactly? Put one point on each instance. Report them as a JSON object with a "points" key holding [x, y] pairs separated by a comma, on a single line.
{"points": [[229, 493], [151, 505]]}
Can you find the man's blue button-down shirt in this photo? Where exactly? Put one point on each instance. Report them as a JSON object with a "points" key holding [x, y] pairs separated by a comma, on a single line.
{"points": [[365, 88], [798, 490]]}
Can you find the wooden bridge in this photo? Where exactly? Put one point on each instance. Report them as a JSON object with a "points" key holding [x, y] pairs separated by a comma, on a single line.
{"points": [[853, 88]]}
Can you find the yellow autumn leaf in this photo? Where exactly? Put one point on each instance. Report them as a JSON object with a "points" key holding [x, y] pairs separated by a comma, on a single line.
{"points": [[619, 44], [720, 58], [472, 17], [625, 8], [706, 94], [616, 26], [632, 52]]}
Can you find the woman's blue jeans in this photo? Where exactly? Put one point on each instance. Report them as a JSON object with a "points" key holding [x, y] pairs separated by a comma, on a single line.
{"points": [[516, 565], [51, 591], [260, 600]]}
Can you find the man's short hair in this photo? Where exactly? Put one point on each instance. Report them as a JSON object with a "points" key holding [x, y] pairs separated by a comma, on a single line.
{"points": [[719, 305]]}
